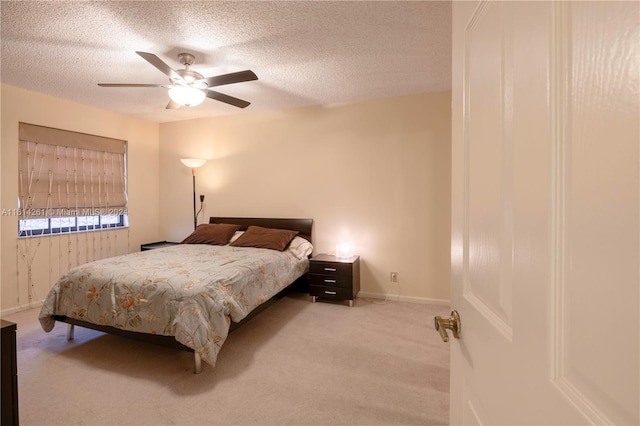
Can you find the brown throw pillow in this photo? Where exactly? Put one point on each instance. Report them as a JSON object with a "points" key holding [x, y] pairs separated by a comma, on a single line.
{"points": [[212, 233], [270, 238]]}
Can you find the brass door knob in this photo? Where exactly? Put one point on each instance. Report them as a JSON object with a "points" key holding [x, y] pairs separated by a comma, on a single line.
{"points": [[452, 323]]}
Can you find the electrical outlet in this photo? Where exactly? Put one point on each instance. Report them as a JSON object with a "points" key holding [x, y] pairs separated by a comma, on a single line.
{"points": [[393, 277]]}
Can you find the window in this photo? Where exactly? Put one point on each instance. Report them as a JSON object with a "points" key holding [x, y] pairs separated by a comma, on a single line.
{"points": [[59, 225], [70, 182]]}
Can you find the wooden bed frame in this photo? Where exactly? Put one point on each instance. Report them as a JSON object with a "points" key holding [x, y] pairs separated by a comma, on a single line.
{"points": [[304, 228]]}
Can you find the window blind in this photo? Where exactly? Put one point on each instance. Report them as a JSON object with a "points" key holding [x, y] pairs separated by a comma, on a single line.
{"points": [[64, 173]]}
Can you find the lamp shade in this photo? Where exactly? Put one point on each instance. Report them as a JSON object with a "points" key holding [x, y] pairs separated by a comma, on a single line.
{"points": [[344, 249], [193, 163], [186, 95]]}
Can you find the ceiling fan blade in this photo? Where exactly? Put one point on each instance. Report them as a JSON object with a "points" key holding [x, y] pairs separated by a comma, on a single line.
{"points": [[173, 105], [234, 77], [131, 85], [227, 99], [161, 65]]}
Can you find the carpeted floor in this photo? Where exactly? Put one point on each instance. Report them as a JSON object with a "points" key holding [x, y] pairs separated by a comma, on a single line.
{"points": [[297, 363]]}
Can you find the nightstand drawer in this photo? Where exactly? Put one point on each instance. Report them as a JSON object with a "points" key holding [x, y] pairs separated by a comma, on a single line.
{"points": [[332, 292], [330, 280], [331, 268]]}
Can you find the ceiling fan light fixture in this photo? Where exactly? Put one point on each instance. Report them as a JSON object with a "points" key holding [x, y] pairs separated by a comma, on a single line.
{"points": [[190, 88], [186, 95]]}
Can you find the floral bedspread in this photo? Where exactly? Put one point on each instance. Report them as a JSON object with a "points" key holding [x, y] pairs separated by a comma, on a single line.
{"points": [[190, 291]]}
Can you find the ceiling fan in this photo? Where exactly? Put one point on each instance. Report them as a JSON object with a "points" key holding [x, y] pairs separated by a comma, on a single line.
{"points": [[189, 88]]}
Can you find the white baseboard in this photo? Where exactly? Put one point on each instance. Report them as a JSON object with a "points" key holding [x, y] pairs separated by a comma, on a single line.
{"points": [[411, 299], [21, 308]]}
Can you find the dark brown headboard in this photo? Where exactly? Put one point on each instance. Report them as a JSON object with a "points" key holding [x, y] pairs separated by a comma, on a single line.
{"points": [[303, 226]]}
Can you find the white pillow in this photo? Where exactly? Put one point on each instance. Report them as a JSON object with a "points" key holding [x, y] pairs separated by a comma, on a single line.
{"points": [[300, 247], [235, 236]]}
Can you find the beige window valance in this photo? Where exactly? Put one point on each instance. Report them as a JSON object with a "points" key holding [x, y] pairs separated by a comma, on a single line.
{"points": [[70, 174], [51, 136]]}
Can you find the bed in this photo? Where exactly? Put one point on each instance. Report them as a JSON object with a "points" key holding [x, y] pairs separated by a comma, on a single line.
{"points": [[186, 296]]}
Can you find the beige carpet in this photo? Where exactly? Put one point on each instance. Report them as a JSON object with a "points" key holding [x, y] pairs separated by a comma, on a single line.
{"points": [[297, 363]]}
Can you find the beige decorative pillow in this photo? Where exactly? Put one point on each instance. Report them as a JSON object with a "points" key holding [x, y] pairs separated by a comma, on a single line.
{"points": [[270, 238], [212, 233], [300, 247]]}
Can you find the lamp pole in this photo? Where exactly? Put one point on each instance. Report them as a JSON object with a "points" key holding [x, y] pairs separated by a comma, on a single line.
{"points": [[195, 216], [193, 164]]}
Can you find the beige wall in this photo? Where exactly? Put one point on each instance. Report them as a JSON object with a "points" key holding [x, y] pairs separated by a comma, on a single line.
{"points": [[54, 255], [376, 173]]}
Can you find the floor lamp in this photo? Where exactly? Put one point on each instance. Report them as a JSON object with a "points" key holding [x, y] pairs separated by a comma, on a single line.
{"points": [[194, 163]]}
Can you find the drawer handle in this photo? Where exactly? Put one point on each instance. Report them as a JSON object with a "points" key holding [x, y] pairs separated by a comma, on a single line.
{"points": [[330, 269], [329, 281], [330, 292]]}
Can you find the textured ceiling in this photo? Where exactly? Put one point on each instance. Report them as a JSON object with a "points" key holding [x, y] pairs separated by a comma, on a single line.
{"points": [[304, 52]]}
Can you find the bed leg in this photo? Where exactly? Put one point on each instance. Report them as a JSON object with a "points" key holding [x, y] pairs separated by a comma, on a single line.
{"points": [[70, 330], [197, 363]]}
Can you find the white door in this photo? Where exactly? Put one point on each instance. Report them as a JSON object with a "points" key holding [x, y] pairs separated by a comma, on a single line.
{"points": [[546, 199]]}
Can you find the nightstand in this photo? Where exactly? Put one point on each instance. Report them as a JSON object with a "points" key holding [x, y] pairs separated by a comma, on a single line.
{"points": [[9, 374], [334, 277], [159, 244]]}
